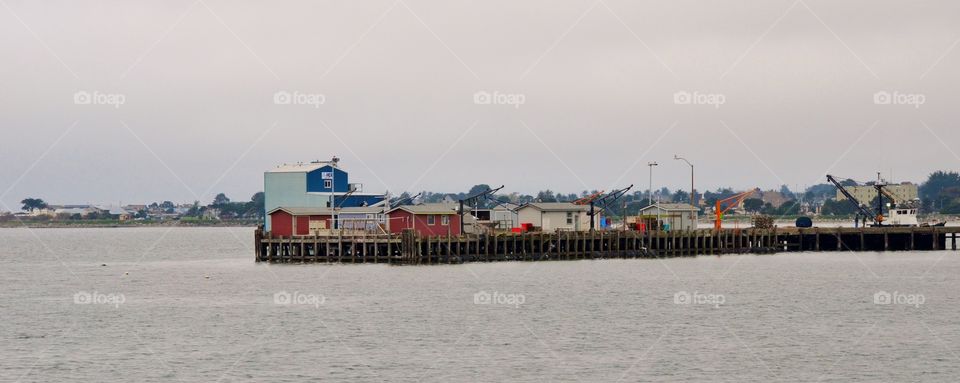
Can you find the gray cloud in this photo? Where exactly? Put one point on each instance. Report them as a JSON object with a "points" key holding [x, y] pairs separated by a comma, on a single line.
{"points": [[399, 83]]}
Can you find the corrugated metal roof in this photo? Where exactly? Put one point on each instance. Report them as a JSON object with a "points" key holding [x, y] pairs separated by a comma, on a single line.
{"points": [[556, 206], [672, 206], [428, 208]]}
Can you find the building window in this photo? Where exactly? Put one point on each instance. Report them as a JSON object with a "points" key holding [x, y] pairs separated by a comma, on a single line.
{"points": [[569, 218], [431, 220], [445, 220], [327, 184]]}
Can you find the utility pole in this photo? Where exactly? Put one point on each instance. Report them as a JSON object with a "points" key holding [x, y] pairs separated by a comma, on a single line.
{"points": [[692, 199], [591, 217], [333, 188], [650, 190]]}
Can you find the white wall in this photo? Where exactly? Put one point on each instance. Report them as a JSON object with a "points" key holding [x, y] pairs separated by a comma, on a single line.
{"points": [[553, 220]]}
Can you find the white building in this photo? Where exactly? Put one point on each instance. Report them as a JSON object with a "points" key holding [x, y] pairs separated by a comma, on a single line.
{"points": [[672, 216], [550, 216], [866, 193], [496, 218]]}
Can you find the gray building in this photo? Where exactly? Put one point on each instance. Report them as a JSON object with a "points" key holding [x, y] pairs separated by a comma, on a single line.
{"points": [[672, 216]]}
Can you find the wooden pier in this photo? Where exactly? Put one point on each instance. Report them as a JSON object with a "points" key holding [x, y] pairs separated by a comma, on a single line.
{"points": [[410, 249]]}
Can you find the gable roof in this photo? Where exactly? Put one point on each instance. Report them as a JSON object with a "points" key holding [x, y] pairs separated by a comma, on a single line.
{"points": [[556, 206], [427, 208], [672, 207]]}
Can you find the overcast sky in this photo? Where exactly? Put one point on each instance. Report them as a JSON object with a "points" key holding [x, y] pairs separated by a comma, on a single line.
{"points": [[583, 94]]}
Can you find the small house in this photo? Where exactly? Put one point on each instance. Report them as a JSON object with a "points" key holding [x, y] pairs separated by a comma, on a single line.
{"points": [[550, 216], [670, 216], [498, 218], [425, 219], [290, 221]]}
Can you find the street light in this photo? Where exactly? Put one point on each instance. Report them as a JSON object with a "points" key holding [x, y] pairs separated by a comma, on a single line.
{"points": [[650, 190], [676, 157]]}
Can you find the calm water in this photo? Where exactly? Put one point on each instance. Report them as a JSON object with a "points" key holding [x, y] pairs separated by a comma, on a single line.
{"points": [[189, 304]]}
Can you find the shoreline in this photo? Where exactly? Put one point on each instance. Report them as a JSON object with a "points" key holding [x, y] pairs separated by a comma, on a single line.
{"points": [[122, 224]]}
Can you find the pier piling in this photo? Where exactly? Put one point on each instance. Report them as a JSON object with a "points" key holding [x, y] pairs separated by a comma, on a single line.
{"points": [[408, 248]]}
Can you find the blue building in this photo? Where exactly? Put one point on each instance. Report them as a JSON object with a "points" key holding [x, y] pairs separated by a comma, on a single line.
{"points": [[318, 184]]}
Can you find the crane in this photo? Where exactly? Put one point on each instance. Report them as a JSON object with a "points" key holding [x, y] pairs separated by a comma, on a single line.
{"points": [[483, 194], [606, 200], [400, 200], [588, 199], [738, 198], [864, 209]]}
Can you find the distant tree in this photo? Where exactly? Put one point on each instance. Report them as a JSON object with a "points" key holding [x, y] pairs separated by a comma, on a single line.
{"points": [[833, 207], [785, 190], [524, 198], [546, 196], [167, 205], [753, 205], [31, 204], [196, 210], [791, 207], [820, 192], [257, 205], [711, 198], [848, 182], [664, 191], [937, 191], [768, 209], [404, 198], [479, 188], [680, 196], [220, 199]]}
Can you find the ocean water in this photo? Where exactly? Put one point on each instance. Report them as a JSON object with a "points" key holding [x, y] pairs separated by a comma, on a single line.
{"points": [[191, 305]]}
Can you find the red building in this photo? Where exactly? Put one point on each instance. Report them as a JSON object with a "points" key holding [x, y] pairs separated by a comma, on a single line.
{"points": [[426, 219], [290, 221]]}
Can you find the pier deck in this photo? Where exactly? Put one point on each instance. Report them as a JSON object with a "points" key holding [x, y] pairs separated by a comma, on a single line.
{"points": [[410, 249]]}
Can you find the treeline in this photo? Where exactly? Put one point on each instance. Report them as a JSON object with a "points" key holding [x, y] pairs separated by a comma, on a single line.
{"points": [[940, 193], [223, 208]]}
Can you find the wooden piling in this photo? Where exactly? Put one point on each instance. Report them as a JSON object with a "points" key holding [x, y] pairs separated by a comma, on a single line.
{"points": [[410, 248]]}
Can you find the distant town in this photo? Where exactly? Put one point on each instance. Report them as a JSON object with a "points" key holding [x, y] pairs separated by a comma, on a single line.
{"points": [[221, 209], [939, 194]]}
